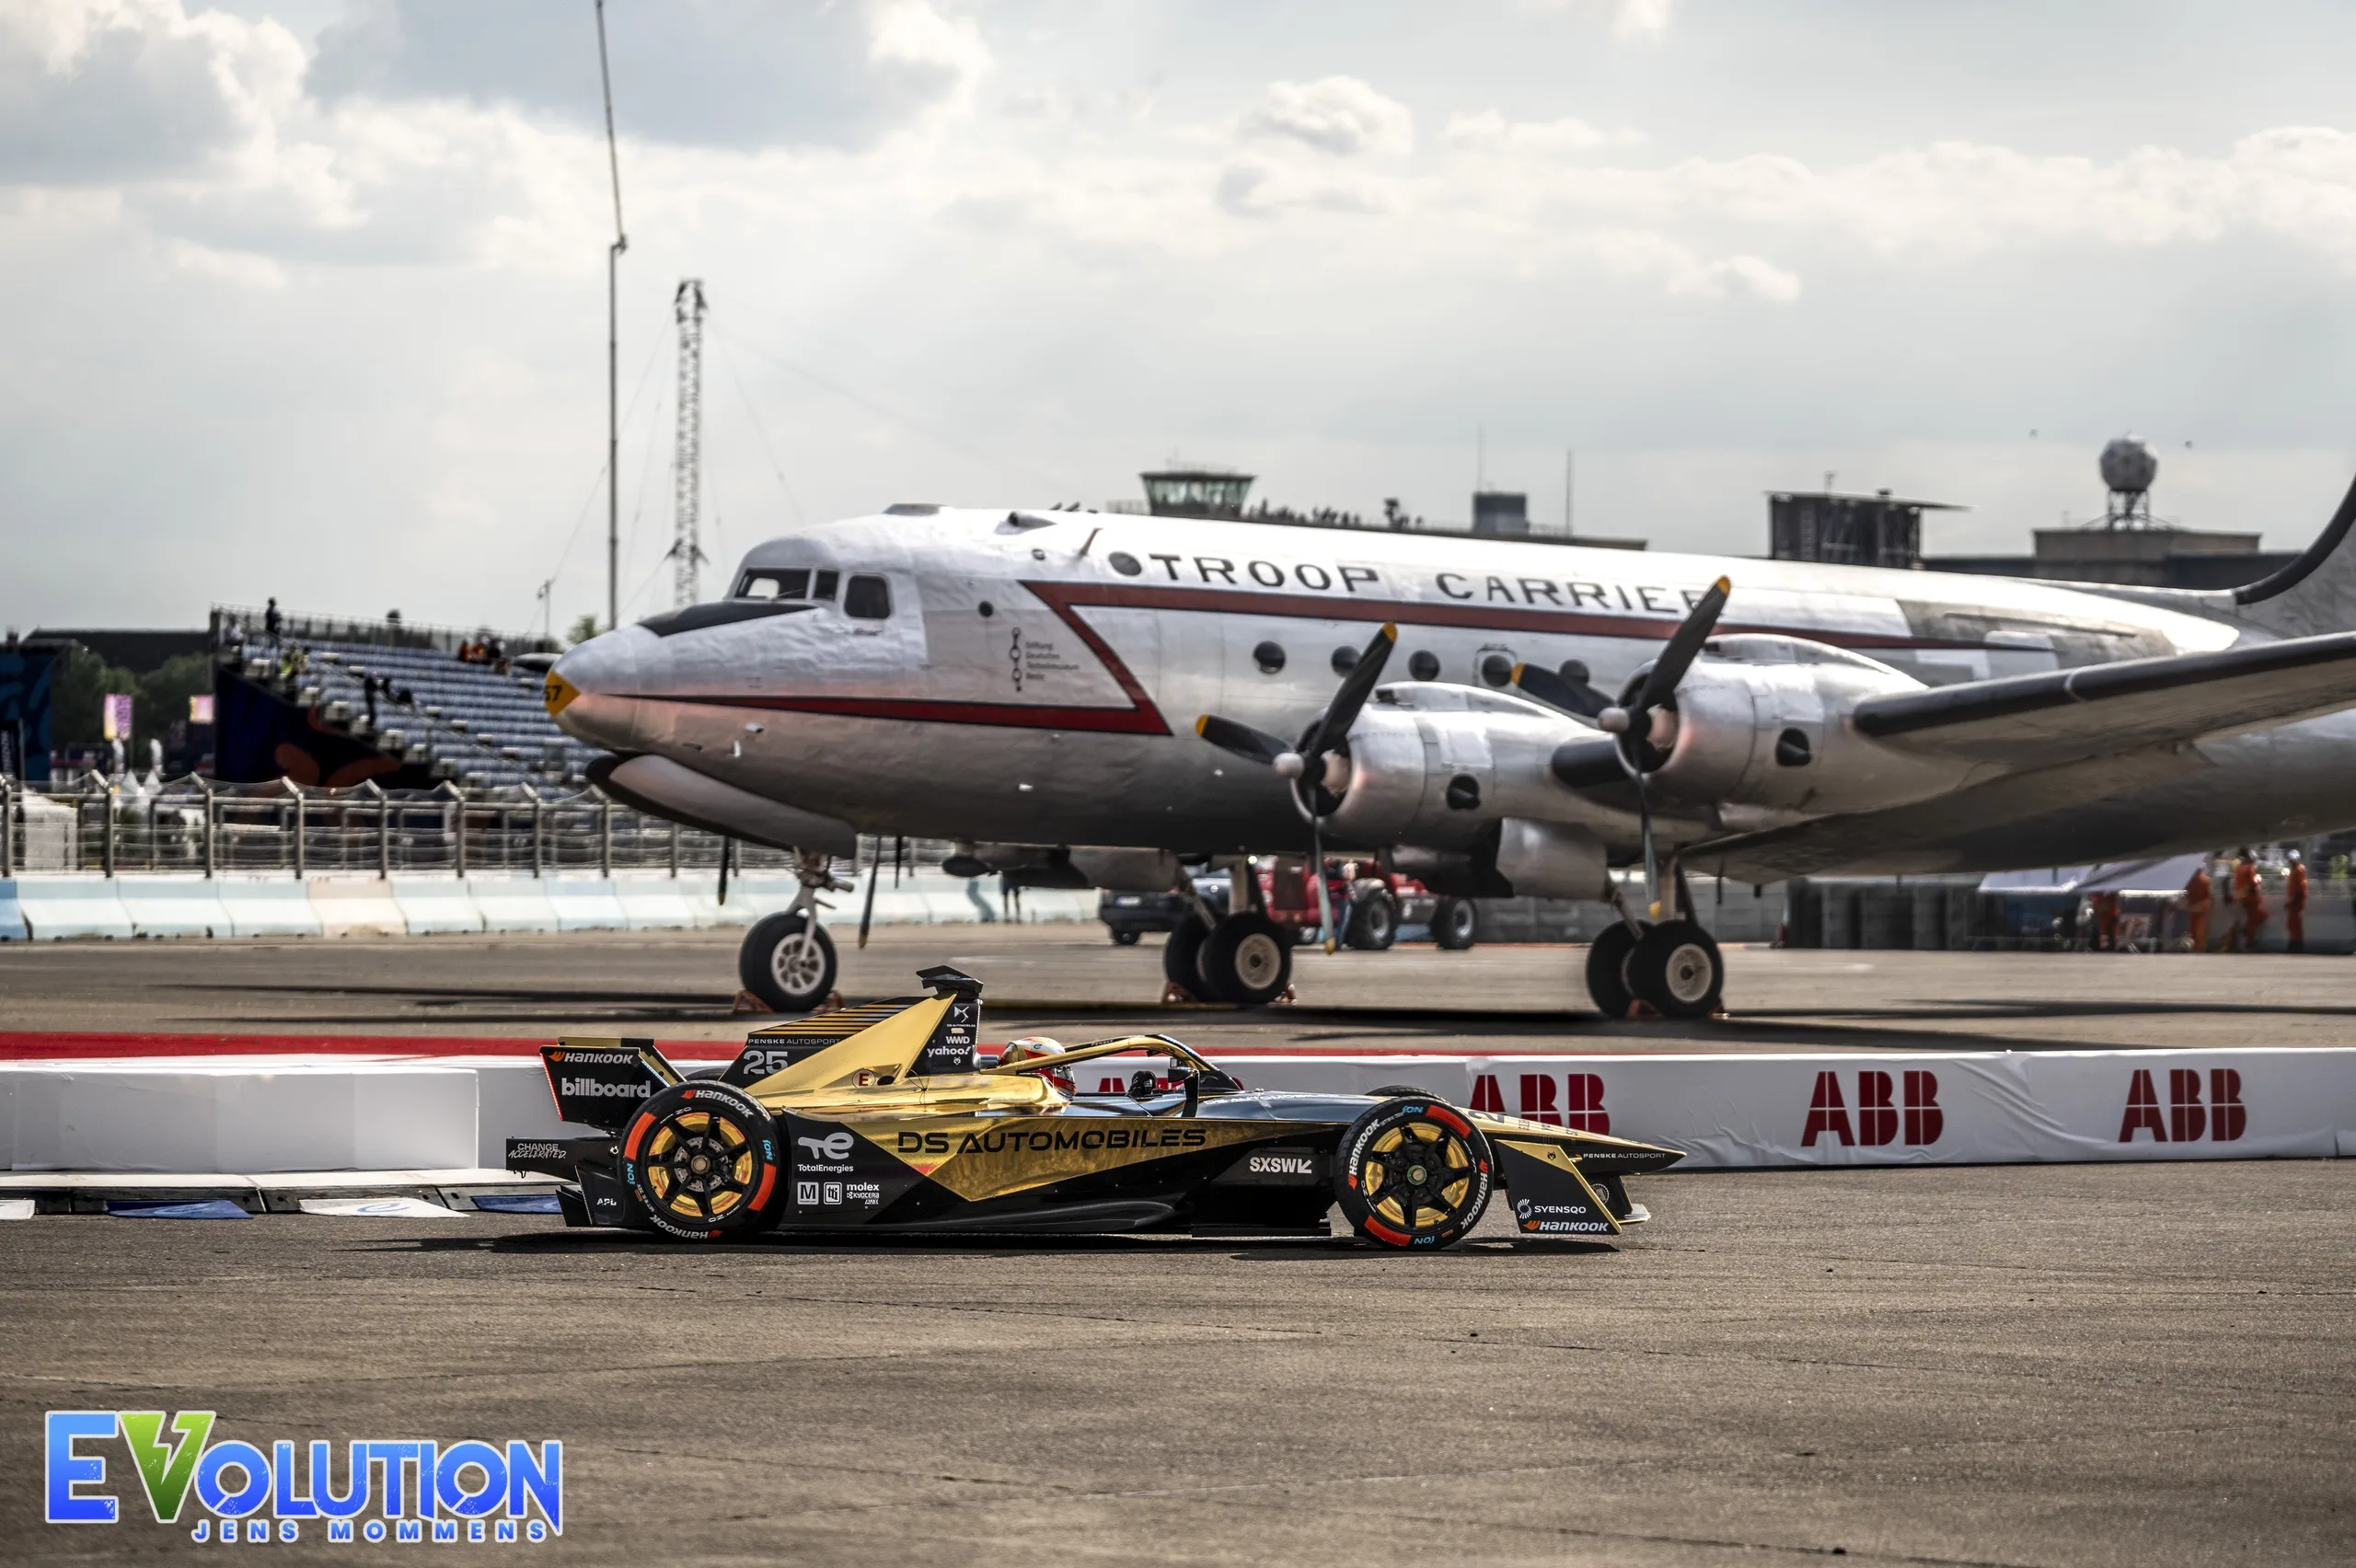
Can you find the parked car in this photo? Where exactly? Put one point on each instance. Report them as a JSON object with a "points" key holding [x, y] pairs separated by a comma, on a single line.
{"points": [[1129, 915]]}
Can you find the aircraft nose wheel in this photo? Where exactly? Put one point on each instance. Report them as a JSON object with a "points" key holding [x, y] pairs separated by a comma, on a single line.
{"points": [[1676, 966], [1413, 1173], [788, 961], [703, 1159]]}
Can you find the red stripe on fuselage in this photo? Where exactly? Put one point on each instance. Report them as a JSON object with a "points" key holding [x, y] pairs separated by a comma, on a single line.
{"points": [[1142, 718]]}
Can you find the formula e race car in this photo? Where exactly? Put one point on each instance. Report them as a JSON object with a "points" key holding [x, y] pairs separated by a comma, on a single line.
{"points": [[883, 1117]]}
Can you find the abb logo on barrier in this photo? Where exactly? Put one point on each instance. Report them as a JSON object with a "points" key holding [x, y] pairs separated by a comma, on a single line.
{"points": [[1581, 1106], [2224, 1117], [1878, 1120]]}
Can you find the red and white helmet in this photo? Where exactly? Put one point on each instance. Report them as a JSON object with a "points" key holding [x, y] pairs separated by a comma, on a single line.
{"points": [[1038, 1048]]}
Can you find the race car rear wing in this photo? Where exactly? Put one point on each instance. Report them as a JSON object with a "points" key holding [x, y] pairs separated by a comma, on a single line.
{"points": [[599, 1082]]}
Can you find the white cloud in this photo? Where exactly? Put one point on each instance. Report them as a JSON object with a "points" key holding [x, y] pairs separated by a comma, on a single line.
{"points": [[1627, 19], [1340, 115], [1489, 131]]}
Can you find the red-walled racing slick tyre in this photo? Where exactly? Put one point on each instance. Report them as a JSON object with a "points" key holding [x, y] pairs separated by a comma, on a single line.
{"points": [[703, 1159], [1413, 1173]]}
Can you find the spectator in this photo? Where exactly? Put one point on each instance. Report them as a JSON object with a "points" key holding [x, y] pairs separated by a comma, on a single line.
{"points": [[368, 691], [271, 621]]}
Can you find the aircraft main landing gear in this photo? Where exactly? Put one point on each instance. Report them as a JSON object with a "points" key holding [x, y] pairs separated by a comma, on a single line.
{"points": [[1673, 966]]}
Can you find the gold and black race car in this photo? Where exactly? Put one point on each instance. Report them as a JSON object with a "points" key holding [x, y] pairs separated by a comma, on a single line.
{"points": [[883, 1117]]}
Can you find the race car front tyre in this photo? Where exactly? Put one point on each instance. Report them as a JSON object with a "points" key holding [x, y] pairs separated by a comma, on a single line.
{"points": [[1178, 955], [701, 1157], [1453, 923], [788, 961], [1677, 968], [1248, 961], [1374, 924], [1607, 969], [1413, 1173]]}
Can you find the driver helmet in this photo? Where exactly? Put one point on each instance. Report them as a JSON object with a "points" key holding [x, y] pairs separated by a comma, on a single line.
{"points": [[1038, 1048]]}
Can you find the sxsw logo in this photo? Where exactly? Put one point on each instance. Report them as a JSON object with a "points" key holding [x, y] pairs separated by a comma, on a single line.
{"points": [[1580, 1106], [2223, 1118], [1879, 1120]]}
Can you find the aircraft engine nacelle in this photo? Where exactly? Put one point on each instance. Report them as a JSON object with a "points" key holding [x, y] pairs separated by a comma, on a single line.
{"points": [[1436, 764], [1776, 734]]}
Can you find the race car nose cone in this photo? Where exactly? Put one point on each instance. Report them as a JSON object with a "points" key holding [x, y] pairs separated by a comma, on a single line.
{"points": [[593, 692]]}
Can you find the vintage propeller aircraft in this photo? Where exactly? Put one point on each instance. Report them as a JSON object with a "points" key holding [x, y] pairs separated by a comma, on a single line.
{"points": [[1080, 699]]}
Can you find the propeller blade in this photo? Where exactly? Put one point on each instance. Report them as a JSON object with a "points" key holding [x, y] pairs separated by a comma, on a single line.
{"points": [[1355, 688], [875, 875], [1684, 647], [1543, 684], [1245, 741]]}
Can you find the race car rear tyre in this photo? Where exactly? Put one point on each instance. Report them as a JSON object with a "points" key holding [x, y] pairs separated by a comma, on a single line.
{"points": [[1677, 968], [1247, 961], [1178, 955], [1413, 1173], [703, 1159], [1453, 923], [1607, 969], [788, 961], [1374, 924]]}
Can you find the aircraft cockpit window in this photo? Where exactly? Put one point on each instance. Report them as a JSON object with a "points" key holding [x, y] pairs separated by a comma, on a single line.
{"points": [[824, 588], [774, 584], [867, 598]]}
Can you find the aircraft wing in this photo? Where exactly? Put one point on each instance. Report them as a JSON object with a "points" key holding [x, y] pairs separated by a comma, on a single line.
{"points": [[2037, 721]]}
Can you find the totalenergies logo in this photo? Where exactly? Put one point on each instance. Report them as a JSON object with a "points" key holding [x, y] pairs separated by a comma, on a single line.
{"points": [[408, 1489]]}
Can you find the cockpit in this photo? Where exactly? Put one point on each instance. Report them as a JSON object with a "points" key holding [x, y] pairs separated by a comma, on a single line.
{"points": [[865, 597]]}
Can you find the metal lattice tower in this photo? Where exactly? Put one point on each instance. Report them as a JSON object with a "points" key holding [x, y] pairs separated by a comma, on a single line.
{"points": [[687, 468]]}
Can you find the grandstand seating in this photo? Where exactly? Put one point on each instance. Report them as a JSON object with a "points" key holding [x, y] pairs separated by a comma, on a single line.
{"points": [[465, 722]]}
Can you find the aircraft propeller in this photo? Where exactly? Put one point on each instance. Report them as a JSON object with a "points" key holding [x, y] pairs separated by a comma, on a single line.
{"points": [[1317, 767], [1631, 718]]}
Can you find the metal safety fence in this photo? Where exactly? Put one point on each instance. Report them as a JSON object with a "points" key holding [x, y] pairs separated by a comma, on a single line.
{"points": [[120, 827]]}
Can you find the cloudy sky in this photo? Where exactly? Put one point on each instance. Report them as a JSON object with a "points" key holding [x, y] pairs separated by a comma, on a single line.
{"points": [[308, 298]]}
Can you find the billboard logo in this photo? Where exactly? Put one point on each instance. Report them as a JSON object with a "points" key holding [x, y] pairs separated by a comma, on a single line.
{"points": [[404, 1491], [1579, 1106]]}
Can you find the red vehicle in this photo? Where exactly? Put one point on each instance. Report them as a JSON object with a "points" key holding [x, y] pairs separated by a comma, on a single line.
{"points": [[1370, 903]]}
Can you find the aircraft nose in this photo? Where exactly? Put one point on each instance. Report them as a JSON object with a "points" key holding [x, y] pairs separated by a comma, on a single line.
{"points": [[593, 691]]}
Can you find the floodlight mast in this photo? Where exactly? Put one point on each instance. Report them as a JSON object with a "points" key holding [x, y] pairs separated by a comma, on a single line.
{"points": [[613, 351], [687, 468]]}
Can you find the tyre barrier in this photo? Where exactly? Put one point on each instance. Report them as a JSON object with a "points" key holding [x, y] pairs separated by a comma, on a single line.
{"points": [[263, 1115]]}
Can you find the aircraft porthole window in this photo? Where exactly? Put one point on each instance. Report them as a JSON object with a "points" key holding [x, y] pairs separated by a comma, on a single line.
{"points": [[1573, 671], [1791, 749], [1497, 669], [988, 609], [1424, 665], [1345, 661], [868, 598], [1123, 562], [1269, 657]]}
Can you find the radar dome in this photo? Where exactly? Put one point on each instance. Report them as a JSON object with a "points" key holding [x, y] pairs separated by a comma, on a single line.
{"points": [[2129, 466]]}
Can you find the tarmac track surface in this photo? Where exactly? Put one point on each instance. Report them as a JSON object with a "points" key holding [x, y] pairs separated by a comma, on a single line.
{"points": [[1070, 981], [2120, 1364]]}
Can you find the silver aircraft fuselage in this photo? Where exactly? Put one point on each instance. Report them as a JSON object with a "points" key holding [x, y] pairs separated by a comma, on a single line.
{"points": [[1035, 676]]}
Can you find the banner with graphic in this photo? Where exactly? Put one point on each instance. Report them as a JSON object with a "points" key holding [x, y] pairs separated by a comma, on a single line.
{"points": [[1861, 1108]]}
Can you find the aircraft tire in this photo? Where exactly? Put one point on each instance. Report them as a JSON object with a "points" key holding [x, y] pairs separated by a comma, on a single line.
{"points": [[787, 961], [1413, 1174], [1374, 924], [1178, 956], [1248, 961], [1607, 969], [1454, 921], [701, 1158], [1677, 967]]}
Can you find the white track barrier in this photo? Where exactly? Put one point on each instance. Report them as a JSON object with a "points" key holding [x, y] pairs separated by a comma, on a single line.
{"points": [[259, 1115], [173, 906], [72, 907], [268, 907], [357, 906], [435, 905], [511, 904]]}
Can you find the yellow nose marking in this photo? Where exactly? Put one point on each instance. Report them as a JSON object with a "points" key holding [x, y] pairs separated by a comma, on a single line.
{"points": [[557, 693]]}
